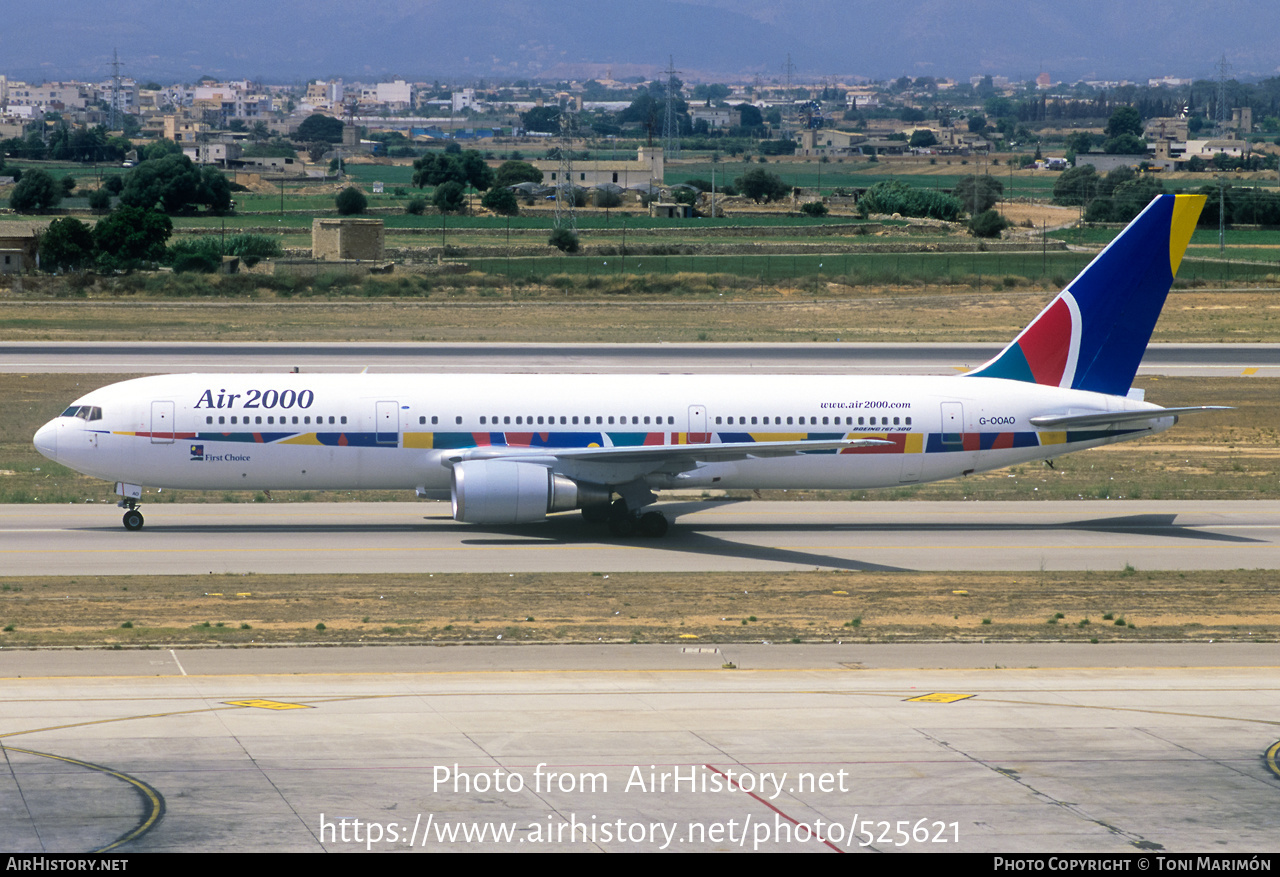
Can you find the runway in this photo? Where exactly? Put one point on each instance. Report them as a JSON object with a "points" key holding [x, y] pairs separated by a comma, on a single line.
{"points": [[285, 537], [1146, 750], [1224, 360]]}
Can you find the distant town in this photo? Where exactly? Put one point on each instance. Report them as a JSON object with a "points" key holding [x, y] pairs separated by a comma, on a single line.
{"points": [[960, 152], [1185, 124]]}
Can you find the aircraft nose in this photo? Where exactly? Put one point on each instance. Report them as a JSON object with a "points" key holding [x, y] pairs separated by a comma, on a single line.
{"points": [[46, 440]]}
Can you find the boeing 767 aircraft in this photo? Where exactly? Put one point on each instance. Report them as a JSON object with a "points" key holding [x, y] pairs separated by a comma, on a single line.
{"points": [[511, 449]]}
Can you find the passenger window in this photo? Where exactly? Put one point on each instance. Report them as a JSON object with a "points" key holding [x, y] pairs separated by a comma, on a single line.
{"points": [[458, 420], [422, 420], [825, 421], [562, 419], [908, 421], [753, 421], [482, 420], [519, 419], [575, 420], [209, 419], [611, 420], [434, 420], [258, 419], [233, 420], [717, 421], [895, 421], [221, 419], [507, 419], [295, 419], [539, 419], [343, 418]]}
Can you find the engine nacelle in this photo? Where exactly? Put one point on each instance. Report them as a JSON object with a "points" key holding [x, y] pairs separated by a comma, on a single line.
{"points": [[509, 492]]}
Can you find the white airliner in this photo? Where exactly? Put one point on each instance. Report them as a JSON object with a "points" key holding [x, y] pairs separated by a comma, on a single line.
{"points": [[512, 449]]}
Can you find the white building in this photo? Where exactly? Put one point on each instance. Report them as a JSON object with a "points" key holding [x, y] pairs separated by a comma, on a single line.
{"points": [[394, 94], [646, 168]]}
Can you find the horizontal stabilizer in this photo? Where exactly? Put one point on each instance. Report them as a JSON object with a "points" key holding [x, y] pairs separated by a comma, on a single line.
{"points": [[1102, 418]]}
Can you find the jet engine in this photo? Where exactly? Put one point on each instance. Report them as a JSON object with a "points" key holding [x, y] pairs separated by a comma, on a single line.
{"points": [[510, 492]]}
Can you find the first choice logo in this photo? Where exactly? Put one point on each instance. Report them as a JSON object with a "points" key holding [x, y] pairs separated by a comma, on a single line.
{"points": [[256, 399]]}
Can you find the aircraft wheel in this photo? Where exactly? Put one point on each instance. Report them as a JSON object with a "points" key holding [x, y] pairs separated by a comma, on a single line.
{"points": [[653, 524], [622, 526], [133, 520]]}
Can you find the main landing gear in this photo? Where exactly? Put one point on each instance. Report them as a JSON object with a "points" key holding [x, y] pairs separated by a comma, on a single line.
{"points": [[624, 522], [132, 517]]}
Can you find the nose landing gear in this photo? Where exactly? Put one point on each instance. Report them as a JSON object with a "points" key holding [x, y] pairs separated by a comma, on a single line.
{"points": [[131, 494], [133, 519]]}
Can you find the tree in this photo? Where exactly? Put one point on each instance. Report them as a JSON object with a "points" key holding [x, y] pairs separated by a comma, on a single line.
{"points": [[416, 206], [1125, 120], [130, 235], [760, 185], [501, 201], [319, 128], [750, 117], [464, 168], [813, 208], [449, 197], [351, 201], [511, 172], [545, 120], [987, 224], [177, 185], [161, 148], [1125, 144], [100, 198], [564, 240], [1076, 186], [922, 138], [978, 193], [66, 245], [35, 191]]}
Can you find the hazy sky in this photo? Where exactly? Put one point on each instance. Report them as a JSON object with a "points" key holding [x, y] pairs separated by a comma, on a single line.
{"points": [[287, 40]]}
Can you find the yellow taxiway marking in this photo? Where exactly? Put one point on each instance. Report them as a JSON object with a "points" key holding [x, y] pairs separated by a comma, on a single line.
{"points": [[268, 704], [155, 802], [1248, 371], [940, 697], [1272, 754]]}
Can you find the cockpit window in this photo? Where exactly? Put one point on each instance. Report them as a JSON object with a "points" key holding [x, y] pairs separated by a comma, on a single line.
{"points": [[72, 411], [84, 412]]}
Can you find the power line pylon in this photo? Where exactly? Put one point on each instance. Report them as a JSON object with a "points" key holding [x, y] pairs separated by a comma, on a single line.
{"points": [[566, 196], [671, 123]]}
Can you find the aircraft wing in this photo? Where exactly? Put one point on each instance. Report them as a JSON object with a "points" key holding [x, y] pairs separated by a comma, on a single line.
{"points": [[1102, 418], [660, 455], [715, 452]]}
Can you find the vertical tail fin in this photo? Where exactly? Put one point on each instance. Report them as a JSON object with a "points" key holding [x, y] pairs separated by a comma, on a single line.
{"points": [[1092, 336]]}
